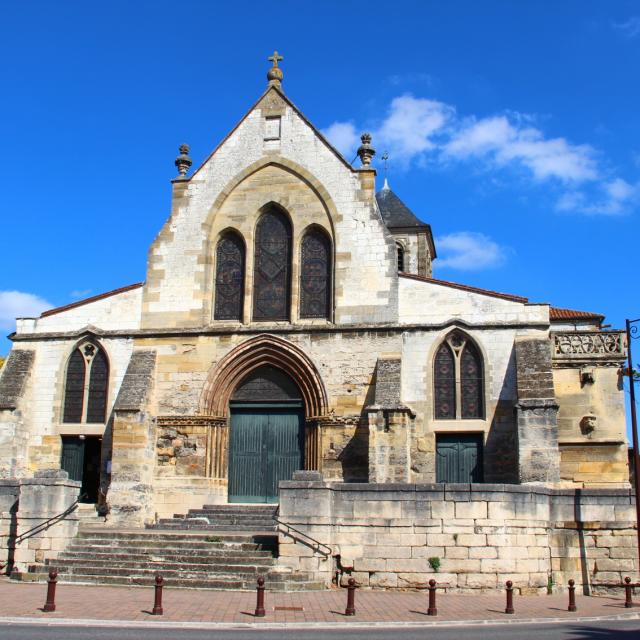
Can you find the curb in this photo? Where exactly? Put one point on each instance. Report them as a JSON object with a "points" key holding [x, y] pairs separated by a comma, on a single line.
{"points": [[88, 622]]}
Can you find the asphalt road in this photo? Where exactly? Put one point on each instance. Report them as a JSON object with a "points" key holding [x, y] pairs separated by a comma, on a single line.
{"points": [[623, 630]]}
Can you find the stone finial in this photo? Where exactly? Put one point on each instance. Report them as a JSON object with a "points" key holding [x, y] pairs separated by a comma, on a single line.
{"points": [[366, 151], [183, 161], [275, 75]]}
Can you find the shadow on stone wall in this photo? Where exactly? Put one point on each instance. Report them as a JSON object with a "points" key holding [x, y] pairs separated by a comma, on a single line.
{"points": [[354, 458], [501, 447]]}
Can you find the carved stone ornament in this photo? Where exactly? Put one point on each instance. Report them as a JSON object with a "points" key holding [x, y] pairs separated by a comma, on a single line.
{"points": [[366, 151], [588, 425], [588, 344], [183, 161], [587, 376]]}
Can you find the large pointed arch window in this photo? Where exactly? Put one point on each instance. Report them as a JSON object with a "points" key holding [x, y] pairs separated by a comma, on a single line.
{"points": [[272, 267], [230, 262], [315, 275], [86, 385], [458, 379]]}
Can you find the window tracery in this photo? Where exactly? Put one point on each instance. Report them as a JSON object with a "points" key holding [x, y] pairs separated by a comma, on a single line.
{"points": [[315, 275], [86, 385], [272, 269], [458, 379], [229, 294]]}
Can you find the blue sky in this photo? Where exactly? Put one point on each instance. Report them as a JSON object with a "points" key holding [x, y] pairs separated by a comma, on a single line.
{"points": [[511, 127]]}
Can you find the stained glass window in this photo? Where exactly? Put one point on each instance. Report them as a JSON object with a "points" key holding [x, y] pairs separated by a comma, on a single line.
{"points": [[272, 269], [74, 388], [458, 379], [86, 386], [471, 382], [98, 382], [315, 275], [445, 383], [229, 278]]}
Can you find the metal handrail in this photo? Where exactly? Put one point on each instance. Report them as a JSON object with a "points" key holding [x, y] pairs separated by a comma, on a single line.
{"points": [[317, 545], [43, 526]]}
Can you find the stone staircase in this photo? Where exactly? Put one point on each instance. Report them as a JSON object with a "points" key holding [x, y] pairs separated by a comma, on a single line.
{"points": [[216, 547], [223, 517]]}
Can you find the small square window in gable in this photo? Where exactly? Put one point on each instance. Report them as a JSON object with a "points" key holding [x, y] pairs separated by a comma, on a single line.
{"points": [[272, 128]]}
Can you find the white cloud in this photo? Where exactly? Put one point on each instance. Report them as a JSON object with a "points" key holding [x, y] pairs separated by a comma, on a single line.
{"points": [[17, 304], [410, 125], [612, 198], [630, 27], [504, 142], [469, 251], [343, 136], [420, 131]]}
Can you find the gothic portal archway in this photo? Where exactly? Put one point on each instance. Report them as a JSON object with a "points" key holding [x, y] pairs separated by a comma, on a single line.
{"points": [[270, 395]]}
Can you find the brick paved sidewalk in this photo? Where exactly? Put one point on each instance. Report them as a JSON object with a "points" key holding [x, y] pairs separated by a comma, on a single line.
{"points": [[185, 605]]}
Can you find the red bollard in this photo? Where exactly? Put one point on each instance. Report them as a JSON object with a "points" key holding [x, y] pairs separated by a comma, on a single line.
{"points": [[50, 604], [572, 596], [157, 604], [432, 610], [509, 608], [260, 612], [351, 598], [628, 602]]}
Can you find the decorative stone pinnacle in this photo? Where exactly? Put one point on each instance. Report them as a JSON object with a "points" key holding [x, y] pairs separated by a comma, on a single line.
{"points": [[275, 75], [183, 161], [366, 151]]}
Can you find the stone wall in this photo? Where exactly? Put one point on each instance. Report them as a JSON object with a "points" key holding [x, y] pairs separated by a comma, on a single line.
{"points": [[591, 419], [392, 535], [25, 504]]}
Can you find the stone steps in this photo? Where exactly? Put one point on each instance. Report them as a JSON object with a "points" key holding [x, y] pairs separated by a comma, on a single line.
{"points": [[222, 518], [211, 558]]}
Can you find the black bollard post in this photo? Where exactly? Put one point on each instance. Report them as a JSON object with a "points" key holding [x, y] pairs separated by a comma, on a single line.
{"points": [[351, 598], [50, 604], [432, 610], [260, 612], [572, 596], [509, 608], [157, 604], [628, 602]]}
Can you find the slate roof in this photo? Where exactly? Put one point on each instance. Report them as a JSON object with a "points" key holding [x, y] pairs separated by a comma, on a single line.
{"points": [[395, 213]]}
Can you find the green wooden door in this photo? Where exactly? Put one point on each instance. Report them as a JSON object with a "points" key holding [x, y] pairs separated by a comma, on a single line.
{"points": [[72, 460], [459, 458], [266, 445]]}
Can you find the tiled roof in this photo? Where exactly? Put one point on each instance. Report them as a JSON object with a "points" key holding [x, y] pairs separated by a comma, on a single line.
{"points": [[464, 287], [571, 314], [79, 303], [395, 213]]}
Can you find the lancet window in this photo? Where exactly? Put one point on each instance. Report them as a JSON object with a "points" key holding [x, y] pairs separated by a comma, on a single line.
{"points": [[86, 385], [272, 268], [400, 255], [315, 275], [458, 379], [230, 261]]}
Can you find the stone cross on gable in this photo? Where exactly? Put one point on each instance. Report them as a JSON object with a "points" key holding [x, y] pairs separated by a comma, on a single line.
{"points": [[275, 58]]}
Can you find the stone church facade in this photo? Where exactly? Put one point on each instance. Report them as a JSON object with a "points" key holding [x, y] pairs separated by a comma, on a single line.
{"points": [[289, 320]]}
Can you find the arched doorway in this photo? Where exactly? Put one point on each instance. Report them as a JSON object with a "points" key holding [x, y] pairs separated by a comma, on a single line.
{"points": [[266, 443]]}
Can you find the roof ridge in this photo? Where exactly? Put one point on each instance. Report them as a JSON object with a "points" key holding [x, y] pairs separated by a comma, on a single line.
{"points": [[100, 296], [465, 287]]}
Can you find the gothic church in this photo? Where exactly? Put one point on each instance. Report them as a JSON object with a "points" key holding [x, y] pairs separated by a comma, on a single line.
{"points": [[289, 320]]}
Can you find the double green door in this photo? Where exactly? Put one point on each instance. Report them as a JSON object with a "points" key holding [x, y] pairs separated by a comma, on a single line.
{"points": [[459, 458], [266, 446]]}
